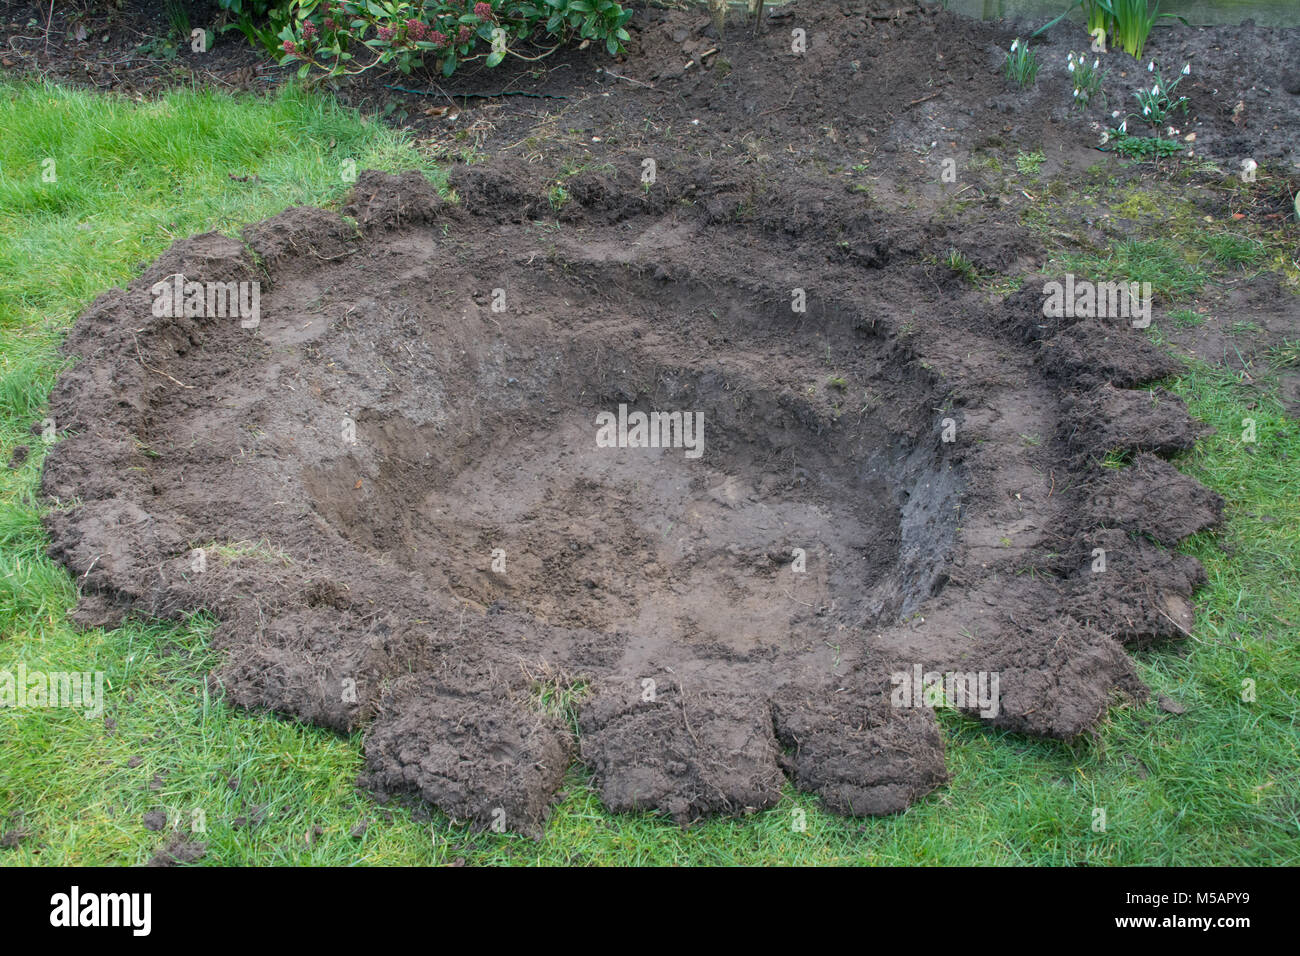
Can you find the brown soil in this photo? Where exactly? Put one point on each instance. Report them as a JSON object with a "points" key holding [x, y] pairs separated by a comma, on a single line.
{"points": [[354, 581], [867, 65]]}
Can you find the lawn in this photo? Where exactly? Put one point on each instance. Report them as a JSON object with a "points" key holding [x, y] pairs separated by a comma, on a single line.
{"points": [[92, 186]]}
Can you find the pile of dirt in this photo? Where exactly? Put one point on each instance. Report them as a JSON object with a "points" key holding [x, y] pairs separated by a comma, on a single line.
{"points": [[393, 497], [393, 492]]}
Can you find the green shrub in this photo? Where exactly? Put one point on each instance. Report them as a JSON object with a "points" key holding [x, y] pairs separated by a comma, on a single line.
{"points": [[352, 37], [247, 8]]}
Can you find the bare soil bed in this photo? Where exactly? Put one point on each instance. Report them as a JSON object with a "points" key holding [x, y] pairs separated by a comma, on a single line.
{"points": [[407, 524]]}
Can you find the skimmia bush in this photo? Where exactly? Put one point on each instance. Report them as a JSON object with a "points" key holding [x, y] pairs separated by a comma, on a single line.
{"points": [[352, 37]]}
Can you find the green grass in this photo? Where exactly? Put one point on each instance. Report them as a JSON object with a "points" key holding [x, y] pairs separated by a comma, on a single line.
{"points": [[1215, 785], [990, 281], [1232, 249], [960, 263], [1161, 262]]}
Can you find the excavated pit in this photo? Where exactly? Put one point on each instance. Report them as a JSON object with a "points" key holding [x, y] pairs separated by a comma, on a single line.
{"points": [[505, 499], [392, 494]]}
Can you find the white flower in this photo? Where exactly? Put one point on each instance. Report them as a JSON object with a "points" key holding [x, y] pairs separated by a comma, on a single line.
{"points": [[1123, 127], [1096, 63], [1076, 92], [1155, 89], [1015, 45], [1187, 68], [1114, 114], [1151, 67], [1071, 66]]}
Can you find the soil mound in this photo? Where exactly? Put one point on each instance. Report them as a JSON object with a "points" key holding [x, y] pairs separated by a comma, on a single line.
{"points": [[394, 493]]}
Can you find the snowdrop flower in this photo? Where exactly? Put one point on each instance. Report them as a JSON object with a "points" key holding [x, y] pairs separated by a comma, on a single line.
{"points": [[1187, 68], [1096, 62], [1015, 45], [1114, 114], [1155, 89], [1076, 92], [1071, 66], [1151, 67], [1123, 127]]}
